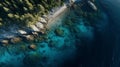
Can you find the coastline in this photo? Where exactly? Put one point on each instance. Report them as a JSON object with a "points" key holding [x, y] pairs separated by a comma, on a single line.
{"points": [[57, 13], [56, 16], [51, 21], [41, 26]]}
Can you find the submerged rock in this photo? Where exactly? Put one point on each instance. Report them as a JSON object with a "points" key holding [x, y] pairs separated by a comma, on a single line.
{"points": [[68, 22], [15, 40], [33, 46], [23, 48], [59, 32], [29, 37], [4, 42], [56, 43], [22, 32], [32, 59]]}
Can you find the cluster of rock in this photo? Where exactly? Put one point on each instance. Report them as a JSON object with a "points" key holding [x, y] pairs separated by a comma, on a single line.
{"points": [[35, 30], [59, 32], [40, 25], [38, 28]]}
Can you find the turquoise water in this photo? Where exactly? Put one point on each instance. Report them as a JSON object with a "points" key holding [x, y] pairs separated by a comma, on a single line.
{"points": [[49, 53], [78, 41]]}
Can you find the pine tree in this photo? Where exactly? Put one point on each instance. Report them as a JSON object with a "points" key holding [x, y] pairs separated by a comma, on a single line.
{"points": [[25, 10]]}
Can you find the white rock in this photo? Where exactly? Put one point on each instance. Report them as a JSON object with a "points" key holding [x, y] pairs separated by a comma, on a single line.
{"points": [[44, 16], [4, 41], [15, 40], [34, 33], [22, 32], [92, 5], [34, 28], [29, 37], [39, 25], [42, 20]]}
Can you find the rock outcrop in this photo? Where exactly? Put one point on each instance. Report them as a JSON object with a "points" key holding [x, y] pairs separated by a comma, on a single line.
{"points": [[42, 20], [59, 32], [29, 37], [15, 40], [39, 25], [4, 42], [32, 46], [34, 28], [22, 32]]}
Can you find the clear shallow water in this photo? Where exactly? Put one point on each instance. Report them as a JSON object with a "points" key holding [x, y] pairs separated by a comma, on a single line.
{"points": [[81, 45]]}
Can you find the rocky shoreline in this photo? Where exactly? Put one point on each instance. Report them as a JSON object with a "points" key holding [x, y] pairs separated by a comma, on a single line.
{"points": [[39, 28], [58, 43], [34, 30]]}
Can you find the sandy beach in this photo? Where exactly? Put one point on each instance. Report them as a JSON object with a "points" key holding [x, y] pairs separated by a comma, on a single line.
{"points": [[56, 16]]}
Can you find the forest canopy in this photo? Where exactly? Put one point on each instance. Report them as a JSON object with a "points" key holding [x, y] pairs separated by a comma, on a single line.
{"points": [[25, 11]]}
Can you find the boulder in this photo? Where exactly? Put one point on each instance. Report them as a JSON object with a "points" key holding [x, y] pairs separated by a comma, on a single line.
{"points": [[4, 42], [59, 32], [29, 37], [15, 40], [22, 32], [34, 28], [39, 25], [42, 31], [35, 33], [44, 16], [42, 20], [32, 46]]}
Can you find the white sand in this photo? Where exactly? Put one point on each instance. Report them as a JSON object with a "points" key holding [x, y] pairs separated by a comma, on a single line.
{"points": [[55, 16]]}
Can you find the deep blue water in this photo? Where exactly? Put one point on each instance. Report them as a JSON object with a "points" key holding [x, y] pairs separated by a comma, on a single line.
{"points": [[105, 50], [81, 44]]}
